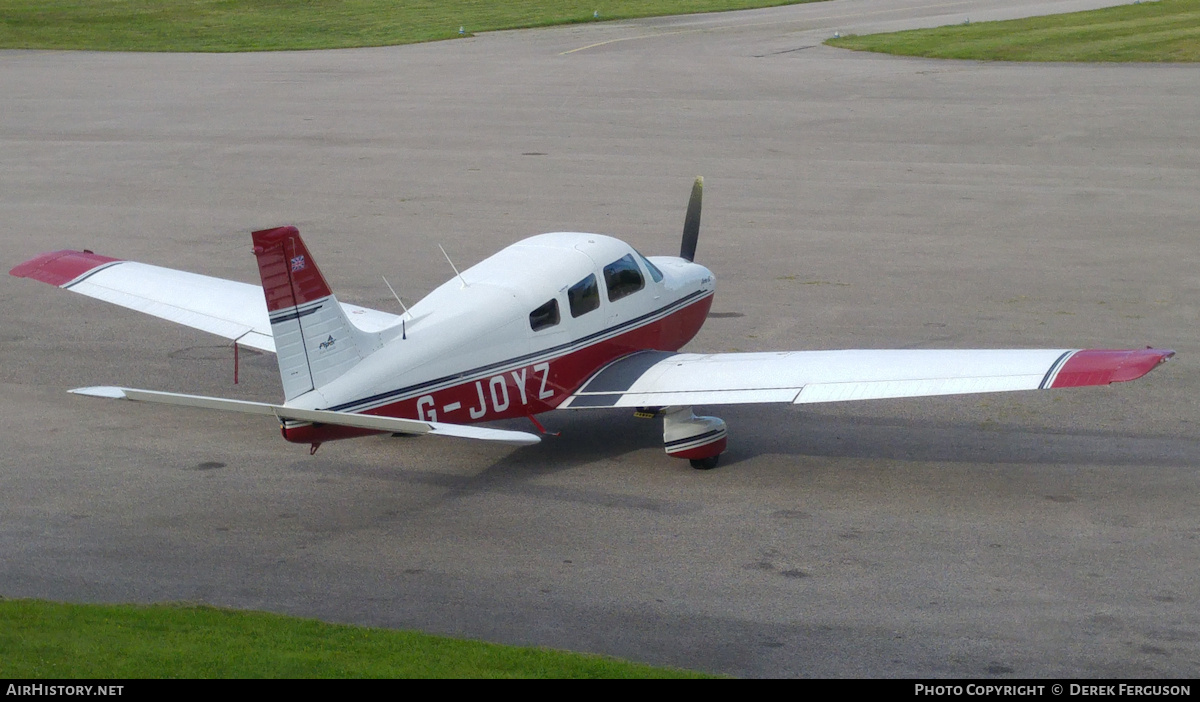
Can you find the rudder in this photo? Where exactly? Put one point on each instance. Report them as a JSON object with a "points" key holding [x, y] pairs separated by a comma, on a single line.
{"points": [[315, 342]]}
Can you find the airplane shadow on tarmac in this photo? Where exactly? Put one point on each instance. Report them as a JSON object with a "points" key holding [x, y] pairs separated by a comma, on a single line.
{"points": [[604, 438], [589, 437]]}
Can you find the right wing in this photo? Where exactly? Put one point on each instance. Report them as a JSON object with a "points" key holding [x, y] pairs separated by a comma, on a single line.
{"points": [[344, 419], [227, 308], [661, 379]]}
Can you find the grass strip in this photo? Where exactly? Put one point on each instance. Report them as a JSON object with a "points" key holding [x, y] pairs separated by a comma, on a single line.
{"points": [[268, 25], [1161, 31], [48, 640]]}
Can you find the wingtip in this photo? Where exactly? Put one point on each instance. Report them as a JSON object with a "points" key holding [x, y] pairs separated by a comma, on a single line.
{"points": [[1139, 363], [1105, 366], [105, 391], [60, 267], [503, 436]]}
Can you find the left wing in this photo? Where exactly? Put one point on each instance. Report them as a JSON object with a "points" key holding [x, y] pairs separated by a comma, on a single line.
{"points": [[227, 308], [661, 379]]}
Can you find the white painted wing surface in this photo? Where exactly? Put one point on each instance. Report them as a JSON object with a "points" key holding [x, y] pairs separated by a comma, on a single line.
{"points": [[659, 379], [227, 308], [345, 419]]}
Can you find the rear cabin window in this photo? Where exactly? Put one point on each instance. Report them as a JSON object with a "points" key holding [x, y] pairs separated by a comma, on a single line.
{"points": [[623, 277], [544, 316], [584, 296]]}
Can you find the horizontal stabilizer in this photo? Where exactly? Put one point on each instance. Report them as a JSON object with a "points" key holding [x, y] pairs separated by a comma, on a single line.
{"points": [[344, 419]]}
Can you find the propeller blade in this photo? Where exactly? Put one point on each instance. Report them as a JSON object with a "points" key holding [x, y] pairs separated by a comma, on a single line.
{"points": [[691, 223]]}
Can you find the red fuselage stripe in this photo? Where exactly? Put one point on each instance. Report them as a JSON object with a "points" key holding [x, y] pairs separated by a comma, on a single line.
{"points": [[538, 387]]}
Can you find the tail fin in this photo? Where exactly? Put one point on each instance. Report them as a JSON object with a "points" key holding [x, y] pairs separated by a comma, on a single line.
{"points": [[315, 342]]}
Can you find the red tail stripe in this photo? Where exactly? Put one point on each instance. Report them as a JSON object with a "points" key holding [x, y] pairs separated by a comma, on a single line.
{"points": [[60, 267], [289, 273], [1102, 366]]}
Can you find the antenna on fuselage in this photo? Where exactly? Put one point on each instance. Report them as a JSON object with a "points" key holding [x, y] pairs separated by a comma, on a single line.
{"points": [[403, 330], [396, 296], [460, 278]]}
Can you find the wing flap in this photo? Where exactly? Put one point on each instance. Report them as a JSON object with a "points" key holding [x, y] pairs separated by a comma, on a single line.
{"points": [[845, 392], [664, 398], [661, 379]]}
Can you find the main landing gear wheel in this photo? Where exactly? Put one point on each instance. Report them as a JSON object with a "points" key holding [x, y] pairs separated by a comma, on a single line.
{"points": [[700, 440]]}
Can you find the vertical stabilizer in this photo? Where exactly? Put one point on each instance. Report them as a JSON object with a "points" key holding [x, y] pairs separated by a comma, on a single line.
{"points": [[314, 340]]}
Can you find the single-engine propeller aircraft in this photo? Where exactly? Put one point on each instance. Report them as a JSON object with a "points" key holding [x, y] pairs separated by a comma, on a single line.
{"points": [[561, 321]]}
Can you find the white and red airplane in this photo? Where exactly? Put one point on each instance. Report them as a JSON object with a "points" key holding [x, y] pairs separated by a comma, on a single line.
{"points": [[562, 321]]}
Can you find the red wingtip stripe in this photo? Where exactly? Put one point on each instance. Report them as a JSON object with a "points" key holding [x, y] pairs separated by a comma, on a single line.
{"points": [[60, 267], [1101, 366], [289, 274]]}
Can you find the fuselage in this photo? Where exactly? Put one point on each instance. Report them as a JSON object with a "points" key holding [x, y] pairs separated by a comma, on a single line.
{"points": [[517, 333]]}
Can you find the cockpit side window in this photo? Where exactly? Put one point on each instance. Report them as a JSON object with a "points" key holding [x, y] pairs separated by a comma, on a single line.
{"points": [[544, 316], [623, 277], [654, 272], [584, 296]]}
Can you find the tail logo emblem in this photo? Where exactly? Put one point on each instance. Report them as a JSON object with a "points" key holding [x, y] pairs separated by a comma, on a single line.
{"points": [[298, 263], [328, 343]]}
